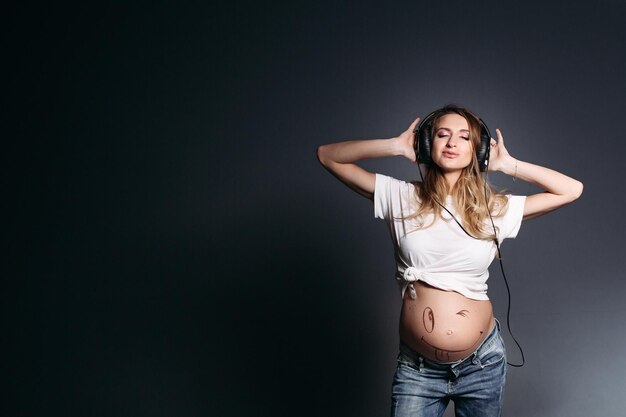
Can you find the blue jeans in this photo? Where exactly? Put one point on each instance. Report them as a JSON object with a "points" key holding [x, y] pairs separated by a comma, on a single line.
{"points": [[423, 388]]}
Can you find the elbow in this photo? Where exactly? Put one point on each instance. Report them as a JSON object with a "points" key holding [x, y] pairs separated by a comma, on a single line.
{"points": [[577, 190], [322, 154]]}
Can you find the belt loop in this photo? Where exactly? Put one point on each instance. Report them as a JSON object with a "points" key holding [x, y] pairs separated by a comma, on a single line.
{"points": [[421, 365]]}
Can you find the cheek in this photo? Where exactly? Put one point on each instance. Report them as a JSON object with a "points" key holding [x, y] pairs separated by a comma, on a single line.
{"points": [[468, 150], [437, 145]]}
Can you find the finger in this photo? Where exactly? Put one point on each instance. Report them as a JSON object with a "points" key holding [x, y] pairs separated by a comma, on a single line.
{"points": [[499, 135], [415, 122]]}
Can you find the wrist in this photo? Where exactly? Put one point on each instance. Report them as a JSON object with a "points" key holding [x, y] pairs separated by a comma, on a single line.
{"points": [[510, 167], [395, 146]]}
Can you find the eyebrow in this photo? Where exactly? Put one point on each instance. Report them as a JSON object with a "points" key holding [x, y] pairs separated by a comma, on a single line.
{"points": [[450, 130]]}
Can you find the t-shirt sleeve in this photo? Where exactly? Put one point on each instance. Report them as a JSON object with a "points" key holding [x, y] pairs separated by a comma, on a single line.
{"points": [[510, 223], [389, 197], [381, 196]]}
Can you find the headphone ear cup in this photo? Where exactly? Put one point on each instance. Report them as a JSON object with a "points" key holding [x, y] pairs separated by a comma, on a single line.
{"points": [[423, 140], [482, 151]]}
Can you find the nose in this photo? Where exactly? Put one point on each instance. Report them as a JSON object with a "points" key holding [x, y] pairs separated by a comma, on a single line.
{"points": [[452, 141]]}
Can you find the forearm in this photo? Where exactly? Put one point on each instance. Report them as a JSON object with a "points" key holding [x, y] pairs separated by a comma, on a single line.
{"points": [[339, 158], [355, 150], [550, 180]]}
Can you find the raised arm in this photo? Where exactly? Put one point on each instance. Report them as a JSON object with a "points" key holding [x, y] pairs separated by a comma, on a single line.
{"points": [[339, 158], [559, 188]]}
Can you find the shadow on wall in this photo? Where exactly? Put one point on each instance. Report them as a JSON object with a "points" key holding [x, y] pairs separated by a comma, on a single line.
{"points": [[284, 339]]}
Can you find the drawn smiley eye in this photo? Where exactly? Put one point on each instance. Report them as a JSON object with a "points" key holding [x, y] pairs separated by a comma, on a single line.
{"points": [[463, 313], [428, 318]]}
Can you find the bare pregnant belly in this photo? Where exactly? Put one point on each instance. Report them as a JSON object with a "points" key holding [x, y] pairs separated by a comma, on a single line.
{"points": [[444, 326]]}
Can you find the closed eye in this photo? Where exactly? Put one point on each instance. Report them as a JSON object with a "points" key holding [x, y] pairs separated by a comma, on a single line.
{"points": [[463, 313]]}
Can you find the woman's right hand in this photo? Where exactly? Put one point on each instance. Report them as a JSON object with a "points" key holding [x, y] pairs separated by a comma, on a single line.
{"points": [[340, 158], [406, 142]]}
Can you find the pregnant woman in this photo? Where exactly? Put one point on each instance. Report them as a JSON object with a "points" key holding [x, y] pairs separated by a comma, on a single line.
{"points": [[446, 230]]}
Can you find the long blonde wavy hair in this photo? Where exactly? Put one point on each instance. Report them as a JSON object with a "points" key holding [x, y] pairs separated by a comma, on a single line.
{"points": [[473, 198]]}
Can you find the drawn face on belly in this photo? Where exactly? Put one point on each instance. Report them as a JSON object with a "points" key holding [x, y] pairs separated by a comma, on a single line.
{"points": [[447, 334]]}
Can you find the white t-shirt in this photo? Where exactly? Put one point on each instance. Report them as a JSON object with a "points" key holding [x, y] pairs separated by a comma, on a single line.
{"points": [[442, 254]]}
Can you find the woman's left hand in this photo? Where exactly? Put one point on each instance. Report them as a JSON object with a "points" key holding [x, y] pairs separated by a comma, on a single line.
{"points": [[499, 157], [559, 188]]}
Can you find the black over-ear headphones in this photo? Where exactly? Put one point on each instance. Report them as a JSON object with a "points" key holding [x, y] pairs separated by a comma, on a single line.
{"points": [[423, 141]]}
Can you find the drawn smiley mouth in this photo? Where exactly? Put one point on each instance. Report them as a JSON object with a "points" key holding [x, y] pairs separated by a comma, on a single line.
{"points": [[444, 354]]}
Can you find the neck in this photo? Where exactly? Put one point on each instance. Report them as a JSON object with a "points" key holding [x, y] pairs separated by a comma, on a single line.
{"points": [[451, 178]]}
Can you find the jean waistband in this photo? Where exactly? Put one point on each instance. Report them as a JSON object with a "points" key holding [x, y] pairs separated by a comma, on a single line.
{"points": [[417, 357]]}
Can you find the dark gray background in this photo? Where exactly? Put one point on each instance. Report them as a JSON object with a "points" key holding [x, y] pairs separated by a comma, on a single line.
{"points": [[173, 248]]}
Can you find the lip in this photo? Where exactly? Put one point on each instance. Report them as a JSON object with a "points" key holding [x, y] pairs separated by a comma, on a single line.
{"points": [[449, 154], [444, 354]]}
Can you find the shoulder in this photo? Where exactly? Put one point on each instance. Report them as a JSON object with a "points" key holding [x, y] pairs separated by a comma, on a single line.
{"points": [[503, 202], [392, 195], [510, 217], [387, 185], [515, 203], [387, 180]]}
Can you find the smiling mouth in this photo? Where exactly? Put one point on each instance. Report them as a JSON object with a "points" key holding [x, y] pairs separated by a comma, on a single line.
{"points": [[443, 354]]}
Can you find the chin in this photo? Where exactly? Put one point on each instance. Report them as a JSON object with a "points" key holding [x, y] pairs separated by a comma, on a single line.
{"points": [[449, 167]]}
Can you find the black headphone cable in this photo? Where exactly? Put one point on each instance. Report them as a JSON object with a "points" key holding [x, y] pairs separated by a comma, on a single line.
{"points": [[506, 282]]}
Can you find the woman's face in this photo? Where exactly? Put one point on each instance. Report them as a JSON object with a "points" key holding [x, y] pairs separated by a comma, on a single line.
{"points": [[452, 148]]}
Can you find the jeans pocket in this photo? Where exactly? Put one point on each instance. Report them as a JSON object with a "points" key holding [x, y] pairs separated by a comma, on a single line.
{"points": [[492, 353], [407, 361]]}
